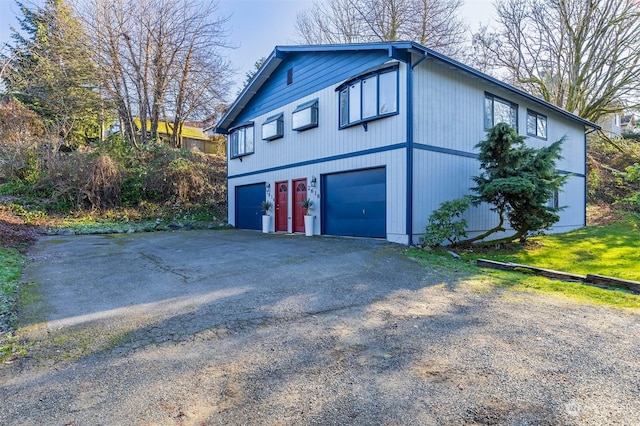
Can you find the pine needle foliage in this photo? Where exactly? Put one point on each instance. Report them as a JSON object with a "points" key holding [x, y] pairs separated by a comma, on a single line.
{"points": [[518, 181]]}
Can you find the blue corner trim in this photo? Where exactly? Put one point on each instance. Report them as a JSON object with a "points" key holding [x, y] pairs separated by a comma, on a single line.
{"points": [[410, 145], [473, 155], [323, 160], [445, 150]]}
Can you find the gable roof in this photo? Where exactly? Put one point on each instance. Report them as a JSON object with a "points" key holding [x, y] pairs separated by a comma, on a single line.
{"points": [[167, 129], [397, 50]]}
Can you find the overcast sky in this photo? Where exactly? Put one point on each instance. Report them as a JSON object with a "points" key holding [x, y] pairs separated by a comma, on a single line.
{"points": [[256, 26]]}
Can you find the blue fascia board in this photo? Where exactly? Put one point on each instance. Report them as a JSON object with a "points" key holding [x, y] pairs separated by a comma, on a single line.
{"points": [[399, 50], [270, 64]]}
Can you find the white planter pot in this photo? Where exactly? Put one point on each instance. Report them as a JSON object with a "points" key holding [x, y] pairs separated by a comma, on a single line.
{"points": [[308, 225], [266, 223]]}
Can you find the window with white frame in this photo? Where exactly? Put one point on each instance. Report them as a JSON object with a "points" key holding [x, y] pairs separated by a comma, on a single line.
{"points": [[536, 124], [369, 97], [241, 141], [273, 127], [498, 110], [305, 116]]}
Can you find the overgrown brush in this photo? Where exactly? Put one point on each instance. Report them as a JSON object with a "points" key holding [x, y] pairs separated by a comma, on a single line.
{"points": [[613, 173], [115, 175], [104, 182]]}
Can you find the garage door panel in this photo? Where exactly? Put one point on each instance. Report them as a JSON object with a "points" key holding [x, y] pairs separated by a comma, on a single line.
{"points": [[355, 203], [248, 206]]}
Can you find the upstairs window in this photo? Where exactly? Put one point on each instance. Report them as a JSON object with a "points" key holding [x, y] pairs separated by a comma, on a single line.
{"points": [[241, 141], [554, 201], [369, 97], [273, 127], [536, 124], [498, 110], [305, 116]]}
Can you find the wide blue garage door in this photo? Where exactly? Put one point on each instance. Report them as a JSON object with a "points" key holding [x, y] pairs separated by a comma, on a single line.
{"points": [[248, 209], [355, 203]]}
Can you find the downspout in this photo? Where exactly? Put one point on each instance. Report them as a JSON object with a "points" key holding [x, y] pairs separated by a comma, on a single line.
{"points": [[409, 166]]}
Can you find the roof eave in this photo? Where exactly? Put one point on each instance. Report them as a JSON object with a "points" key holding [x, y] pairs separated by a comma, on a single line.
{"points": [[394, 49], [493, 80], [272, 62]]}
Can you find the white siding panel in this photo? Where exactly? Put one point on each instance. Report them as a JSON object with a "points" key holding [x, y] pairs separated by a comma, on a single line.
{"points": [[324, 141], [393, 161], [443, 177], [449, 113]]}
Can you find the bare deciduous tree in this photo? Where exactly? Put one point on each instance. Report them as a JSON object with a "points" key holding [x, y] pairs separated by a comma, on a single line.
{"points": [[581, 55], [160, 60], [429, 22]]}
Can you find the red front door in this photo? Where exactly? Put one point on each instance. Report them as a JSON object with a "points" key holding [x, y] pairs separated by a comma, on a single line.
{"points": [[282, 201], [299, 195]]}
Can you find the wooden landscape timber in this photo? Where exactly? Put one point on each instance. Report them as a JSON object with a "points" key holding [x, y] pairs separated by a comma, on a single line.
{"points": [[590, 279]]}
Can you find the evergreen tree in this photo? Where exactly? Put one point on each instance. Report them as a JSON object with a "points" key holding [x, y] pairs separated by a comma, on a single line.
{"points": [[518, 181], [51, 73]]}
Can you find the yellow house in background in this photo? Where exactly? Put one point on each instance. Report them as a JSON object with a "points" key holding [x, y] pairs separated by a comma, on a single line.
{"points": [[192, 138]]}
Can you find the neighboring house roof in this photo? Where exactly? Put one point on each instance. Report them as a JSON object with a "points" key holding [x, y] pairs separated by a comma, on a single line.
{"points": [[397, 50], [167, 129]]}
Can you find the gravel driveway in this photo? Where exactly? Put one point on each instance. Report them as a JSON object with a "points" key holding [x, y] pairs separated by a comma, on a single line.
{"points": [[233, 327]]}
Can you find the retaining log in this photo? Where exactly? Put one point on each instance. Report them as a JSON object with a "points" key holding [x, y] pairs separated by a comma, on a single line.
{"points": [[591, 279]]}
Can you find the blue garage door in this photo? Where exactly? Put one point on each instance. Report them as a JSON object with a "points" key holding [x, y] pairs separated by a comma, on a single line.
{"points": [[248, 210], [355, 203]]}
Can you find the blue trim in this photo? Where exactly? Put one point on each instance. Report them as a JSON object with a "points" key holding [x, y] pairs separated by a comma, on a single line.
{"points": [[323, 160], [465, 154], [380, 69], [445, 150], [410, 145], [400, 50], [315, 72]]}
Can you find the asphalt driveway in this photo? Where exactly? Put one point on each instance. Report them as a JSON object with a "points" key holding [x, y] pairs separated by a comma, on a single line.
{"points": [[233, 327]]}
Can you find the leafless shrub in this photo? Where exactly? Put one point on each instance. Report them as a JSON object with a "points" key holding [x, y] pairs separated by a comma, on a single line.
{"points": [[104, 178], [21, 131], [63, 177]]}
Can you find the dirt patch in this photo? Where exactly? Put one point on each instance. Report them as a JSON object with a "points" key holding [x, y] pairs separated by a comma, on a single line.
{"points": [[601, 214], [14, 232]]}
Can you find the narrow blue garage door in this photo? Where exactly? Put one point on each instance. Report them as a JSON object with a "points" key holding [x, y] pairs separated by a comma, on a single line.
{"points": [[248, 210], [355, 203]]}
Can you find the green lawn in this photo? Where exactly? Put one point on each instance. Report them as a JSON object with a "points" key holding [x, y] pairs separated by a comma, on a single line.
{"points": [[612, 250], [11, 262]]}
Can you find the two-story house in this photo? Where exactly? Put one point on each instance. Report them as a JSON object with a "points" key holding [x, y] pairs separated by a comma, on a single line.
{"points": [[377, 135]]}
